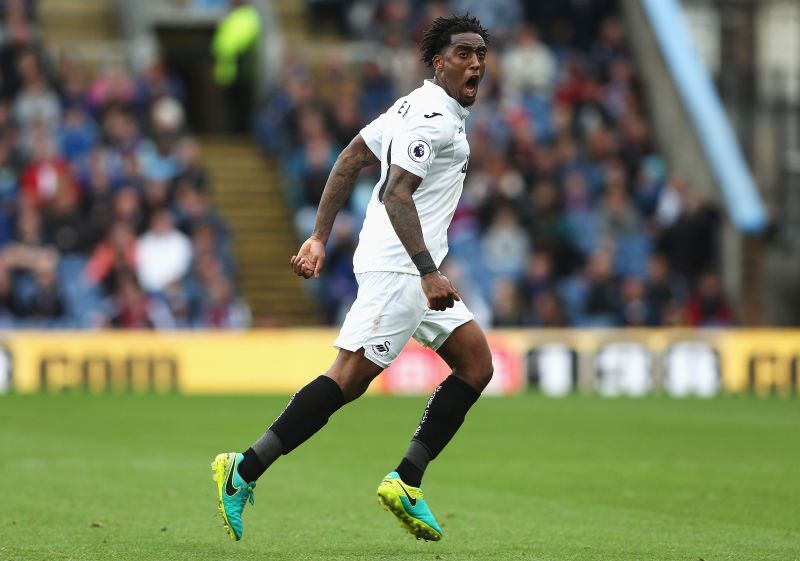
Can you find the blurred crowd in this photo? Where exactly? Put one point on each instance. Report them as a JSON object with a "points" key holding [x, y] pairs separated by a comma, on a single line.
{"points": [[105, 217], [569, 216]]}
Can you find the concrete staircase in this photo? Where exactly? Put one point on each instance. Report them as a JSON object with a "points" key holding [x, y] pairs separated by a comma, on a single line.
{"points": [[293, 21], [247, 192], [310, 42]]}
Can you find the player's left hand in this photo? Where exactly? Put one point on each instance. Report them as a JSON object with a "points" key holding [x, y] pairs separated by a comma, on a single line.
{"points": [[439, 291], [309, 260]]}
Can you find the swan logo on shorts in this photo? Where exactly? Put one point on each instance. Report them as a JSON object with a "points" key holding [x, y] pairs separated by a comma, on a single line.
{"points": [[419, 151], [381, 349]]}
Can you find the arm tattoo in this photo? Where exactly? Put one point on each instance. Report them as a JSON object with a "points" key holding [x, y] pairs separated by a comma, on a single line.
{"points": [[340, 184], [399, 202]]}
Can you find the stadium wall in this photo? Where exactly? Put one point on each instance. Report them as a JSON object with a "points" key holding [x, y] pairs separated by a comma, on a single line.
{"points": [[611, 363]]}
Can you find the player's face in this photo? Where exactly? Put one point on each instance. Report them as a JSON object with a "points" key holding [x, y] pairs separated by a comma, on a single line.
{"points": [[461, 66]]}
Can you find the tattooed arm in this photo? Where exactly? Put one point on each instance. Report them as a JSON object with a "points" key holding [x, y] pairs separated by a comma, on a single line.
{"points": [[342, 179], [399, 203], [340, 184]]}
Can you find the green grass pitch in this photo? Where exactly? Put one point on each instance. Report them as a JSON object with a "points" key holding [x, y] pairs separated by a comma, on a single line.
{"points": [[128, 477]]}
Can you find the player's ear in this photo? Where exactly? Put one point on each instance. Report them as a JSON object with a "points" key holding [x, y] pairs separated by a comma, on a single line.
{"points": [[438, 63]]}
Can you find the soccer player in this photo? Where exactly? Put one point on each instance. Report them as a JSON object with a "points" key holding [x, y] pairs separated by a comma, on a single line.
{"points": [[423, 151]]}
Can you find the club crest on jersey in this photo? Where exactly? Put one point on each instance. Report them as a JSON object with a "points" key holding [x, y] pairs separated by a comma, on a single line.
{"points": [[419, 151]]}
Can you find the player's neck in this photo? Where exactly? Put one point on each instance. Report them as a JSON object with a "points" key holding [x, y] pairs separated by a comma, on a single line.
{"points": [[439, 83]]}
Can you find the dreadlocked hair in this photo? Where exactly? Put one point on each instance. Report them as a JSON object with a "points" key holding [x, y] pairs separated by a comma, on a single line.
{"points": [[439, 34]]}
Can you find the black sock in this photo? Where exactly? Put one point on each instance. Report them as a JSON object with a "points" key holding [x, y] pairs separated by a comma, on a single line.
{"points": [[307, 412], [414, 463], [444, 415], [250, 468], [409, 473], [260, 456]]}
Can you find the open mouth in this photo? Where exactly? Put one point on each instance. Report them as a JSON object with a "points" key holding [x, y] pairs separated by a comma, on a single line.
{"points": [[471, 85]]}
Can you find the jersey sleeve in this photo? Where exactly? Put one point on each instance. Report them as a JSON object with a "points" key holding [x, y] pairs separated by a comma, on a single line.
{"points": [[417, 143], [373, 134]]}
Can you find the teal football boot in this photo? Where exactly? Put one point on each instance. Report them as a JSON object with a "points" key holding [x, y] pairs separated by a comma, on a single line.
{"points": [[234, 492], [407, 504]]}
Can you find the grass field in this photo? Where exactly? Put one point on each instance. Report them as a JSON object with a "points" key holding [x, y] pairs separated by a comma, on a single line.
{"points": [[126, 477]]}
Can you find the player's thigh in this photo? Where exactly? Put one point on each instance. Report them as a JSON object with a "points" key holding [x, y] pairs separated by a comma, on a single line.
{"points": [[466, 351], [437, 326], [387, 310]]}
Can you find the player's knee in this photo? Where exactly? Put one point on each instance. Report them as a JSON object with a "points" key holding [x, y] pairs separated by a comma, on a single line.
{"points": [[485, 375], [352, 385], [353, 373], [478, 374]]}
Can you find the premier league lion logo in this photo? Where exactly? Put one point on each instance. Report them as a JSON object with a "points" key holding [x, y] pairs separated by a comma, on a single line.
{"points": [[419, 151]]}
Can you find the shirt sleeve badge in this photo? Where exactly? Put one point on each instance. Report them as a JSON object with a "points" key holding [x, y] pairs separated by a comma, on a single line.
{"points": [[419, 151]]}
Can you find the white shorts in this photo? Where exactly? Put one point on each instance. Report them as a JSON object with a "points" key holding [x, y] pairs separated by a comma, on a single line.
{"points": [[391, 308]]}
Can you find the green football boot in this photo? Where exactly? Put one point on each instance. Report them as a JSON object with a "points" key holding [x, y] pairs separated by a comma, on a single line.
{"points": [[234, 492], [407, 504]]}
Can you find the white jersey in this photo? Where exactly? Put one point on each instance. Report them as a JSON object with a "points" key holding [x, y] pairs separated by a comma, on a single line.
{"points": [[424, 134]]}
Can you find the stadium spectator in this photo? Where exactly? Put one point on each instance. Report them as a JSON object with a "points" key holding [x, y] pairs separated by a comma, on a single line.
{"points": [[469, 291], [156, 82], [546, 311], [209, 239], [190, 167], [528, 66], [112, 86], [174, 308], [128, 207], [47, 176], [492, 185], [308, 167], [8, 310], [538, 278], [131, 306], [190, 207], [40, 298], [500, 16], [634, 310], [112, 257], [507, 305], [221, 309], [603, 294], [663, 291], [377, 91], [64, 223], [617, 216], [9, 191], [707, 307], [345, 119], [398, 61], [77, 134], [341, 287], [690, 243], [35, 106], [505, 245], [163, 253]]}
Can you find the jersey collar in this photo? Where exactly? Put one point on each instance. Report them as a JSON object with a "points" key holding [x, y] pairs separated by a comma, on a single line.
{"points": [[437, 90]]}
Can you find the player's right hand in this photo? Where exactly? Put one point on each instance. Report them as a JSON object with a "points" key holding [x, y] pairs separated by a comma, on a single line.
{"points": [[309, 260], [439, 291]]}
